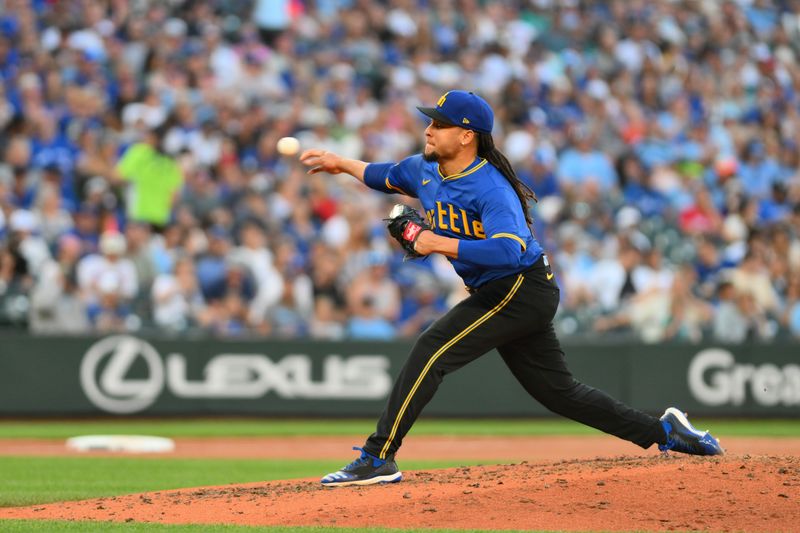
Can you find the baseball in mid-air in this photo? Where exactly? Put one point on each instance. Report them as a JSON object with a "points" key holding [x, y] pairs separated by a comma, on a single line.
{"points": [[288, 145]]}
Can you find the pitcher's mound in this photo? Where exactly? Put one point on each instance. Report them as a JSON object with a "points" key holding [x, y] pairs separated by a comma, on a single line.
{"points": [[654, 493]]}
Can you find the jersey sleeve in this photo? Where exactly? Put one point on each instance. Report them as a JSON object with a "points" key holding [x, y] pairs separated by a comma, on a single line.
{"points": [[402, 177], [491, 253], [503, 218]]}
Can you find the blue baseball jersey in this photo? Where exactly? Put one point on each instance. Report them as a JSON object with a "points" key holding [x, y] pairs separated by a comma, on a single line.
{"points": [[474, 205]]}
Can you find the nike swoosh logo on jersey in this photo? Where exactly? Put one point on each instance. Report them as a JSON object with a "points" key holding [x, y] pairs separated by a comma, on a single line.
{"points": [[550, 276], [425, 182]]}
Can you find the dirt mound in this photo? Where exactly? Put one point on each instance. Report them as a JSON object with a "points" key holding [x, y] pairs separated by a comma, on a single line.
{"points": [[654, 493]]}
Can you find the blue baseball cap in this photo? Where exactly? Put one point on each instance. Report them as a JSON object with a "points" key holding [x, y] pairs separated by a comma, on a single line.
{"points": [[463, 109]]}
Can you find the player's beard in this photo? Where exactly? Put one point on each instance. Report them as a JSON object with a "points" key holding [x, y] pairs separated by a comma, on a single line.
{"points": [[430, 157]]}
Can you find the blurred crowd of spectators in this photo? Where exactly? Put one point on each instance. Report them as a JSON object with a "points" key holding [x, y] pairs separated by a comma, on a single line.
{"points": [[140, 188]]}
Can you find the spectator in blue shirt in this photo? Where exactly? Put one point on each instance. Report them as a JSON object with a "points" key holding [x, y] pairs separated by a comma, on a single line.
{"points": [[583, 165], [775, 208], [636, 188], [757, 172], [367, 324]]}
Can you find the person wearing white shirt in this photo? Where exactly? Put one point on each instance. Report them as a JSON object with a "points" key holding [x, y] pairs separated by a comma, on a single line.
{"points": [[110, 259], [177, 300]]}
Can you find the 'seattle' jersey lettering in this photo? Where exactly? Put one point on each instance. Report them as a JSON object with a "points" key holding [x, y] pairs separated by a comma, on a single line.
{"points": [[477, 203], [446, 217]]}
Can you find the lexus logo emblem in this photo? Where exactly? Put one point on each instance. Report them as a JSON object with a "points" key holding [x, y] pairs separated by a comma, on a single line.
{"points": [[111, 390]]}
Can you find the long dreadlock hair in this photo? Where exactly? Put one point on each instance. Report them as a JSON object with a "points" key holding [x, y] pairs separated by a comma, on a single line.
{"points": [[487, 150]]}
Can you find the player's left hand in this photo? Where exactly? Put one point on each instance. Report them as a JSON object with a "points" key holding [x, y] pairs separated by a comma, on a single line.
{"points": [[407, 226]]}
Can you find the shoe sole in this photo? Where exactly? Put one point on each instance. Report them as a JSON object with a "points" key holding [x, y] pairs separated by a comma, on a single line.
{"points": [[685, 422], [377, 480]]}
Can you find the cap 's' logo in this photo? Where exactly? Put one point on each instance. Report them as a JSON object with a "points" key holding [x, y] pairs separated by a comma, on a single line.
{"points": [[440, 103], [465, 120]]}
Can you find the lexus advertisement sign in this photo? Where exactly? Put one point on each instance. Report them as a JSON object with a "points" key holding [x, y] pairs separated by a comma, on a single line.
{"points": [[105, 376]]}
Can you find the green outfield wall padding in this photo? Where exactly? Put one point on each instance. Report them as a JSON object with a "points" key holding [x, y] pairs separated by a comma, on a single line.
{"points": [[129, 375]]}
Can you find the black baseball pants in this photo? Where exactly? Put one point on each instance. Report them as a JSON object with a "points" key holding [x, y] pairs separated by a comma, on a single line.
{"points": [[514, 315]]}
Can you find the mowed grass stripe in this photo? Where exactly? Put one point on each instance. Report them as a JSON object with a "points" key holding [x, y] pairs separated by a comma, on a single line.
{"points": [[40, 526], [35, 480], [62, 429], [56, 429]]}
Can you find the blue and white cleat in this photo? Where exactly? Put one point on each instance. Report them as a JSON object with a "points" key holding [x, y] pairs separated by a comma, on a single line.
{"points": [[683, 437], [366, 470]]}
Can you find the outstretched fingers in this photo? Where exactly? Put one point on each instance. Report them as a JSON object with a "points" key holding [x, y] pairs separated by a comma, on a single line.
{"points": [[311, 153], [313, 158]]}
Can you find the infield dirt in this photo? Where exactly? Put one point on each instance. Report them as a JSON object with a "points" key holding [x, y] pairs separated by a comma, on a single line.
{"points": [[642, 493]]}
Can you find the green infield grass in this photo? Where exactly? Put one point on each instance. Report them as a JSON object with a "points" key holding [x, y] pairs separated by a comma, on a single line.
{"points": [[252, 427], [237, 427], [34, 480], [37, 480]]}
